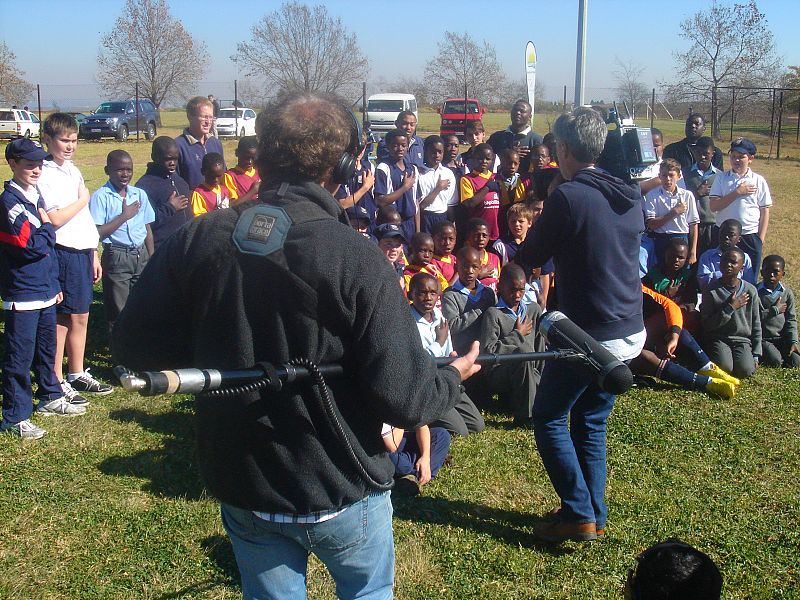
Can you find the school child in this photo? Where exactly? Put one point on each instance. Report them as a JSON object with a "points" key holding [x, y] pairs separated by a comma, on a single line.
{"points": [[731, 320], [390, 242], [242, 181], [417, 456], [420, 259], [166, 190], [743, 195], [475, 135], [436, 186], [778, 316], [513, 185], [480, 192], [30, 290], [452, 160], [425, 294], [464, 303], [708, 267], [444, 241], [66, 201], [541, 159], [123, 215], [670, 212], [396, 181], [477, 237], [673, 278], [508, 328], [359, 220], [698, 179], [210, 194], [668, 343]]}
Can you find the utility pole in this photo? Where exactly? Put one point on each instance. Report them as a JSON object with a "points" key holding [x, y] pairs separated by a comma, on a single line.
{"points": [[580, 59]]}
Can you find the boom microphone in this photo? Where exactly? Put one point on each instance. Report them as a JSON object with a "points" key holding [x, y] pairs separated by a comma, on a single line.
{"points": [[613, 377]]}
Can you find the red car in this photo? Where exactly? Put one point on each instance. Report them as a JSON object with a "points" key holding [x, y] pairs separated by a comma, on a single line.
{"points": [[454, 115]]}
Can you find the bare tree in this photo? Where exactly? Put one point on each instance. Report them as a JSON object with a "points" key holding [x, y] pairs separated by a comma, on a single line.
{"points": [[729, 45], [150, 47], [516, 89], [462, 61], [628, 76], [299, 47], [13, 88]]}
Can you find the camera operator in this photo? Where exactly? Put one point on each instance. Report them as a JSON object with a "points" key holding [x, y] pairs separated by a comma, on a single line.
{"points": [[271, 280], [590, 226]]}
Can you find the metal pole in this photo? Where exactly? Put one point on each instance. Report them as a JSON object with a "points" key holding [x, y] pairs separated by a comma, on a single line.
{"points": [[465, 110], [580, 59], [772, 116], [39, 103], [236, 106], [780, 125], [565, 100], [733, 111], [797, 134], [138, 126], [652, 108], [364, 105]]}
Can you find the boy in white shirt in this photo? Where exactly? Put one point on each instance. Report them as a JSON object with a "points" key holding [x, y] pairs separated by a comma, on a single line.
{"points": [[66, 200], [671, 212], [743, 195], [436, 186]]}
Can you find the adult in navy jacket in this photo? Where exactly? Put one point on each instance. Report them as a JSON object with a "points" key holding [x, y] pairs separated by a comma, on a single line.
{"points": [[590, 226], [197, 140]]}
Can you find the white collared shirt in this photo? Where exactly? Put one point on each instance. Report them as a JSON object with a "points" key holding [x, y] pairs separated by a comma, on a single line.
{"points": [[59, 186], [745, 209], [426, 182], [427, 332]]}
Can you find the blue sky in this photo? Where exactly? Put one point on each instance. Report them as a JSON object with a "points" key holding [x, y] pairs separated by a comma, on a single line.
{"points": [[400, 41]]}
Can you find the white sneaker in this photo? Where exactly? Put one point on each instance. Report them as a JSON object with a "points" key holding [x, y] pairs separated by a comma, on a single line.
{"points": [[26, 430], [86, 383], [60, 407], [72, 396]]}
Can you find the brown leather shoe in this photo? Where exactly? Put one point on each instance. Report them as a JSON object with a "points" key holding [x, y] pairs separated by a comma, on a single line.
{"points": [[556, 530]]}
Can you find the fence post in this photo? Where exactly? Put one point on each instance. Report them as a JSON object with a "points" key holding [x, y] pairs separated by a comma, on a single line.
{"points": [[652, 108], [772, 116], [780, 124], [138, 125], [565, 100], [39, 104], [236, 107], [733, 110]]}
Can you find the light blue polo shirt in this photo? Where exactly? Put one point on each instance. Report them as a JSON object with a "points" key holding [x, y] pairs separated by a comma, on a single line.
{"points": [[106, 204]]}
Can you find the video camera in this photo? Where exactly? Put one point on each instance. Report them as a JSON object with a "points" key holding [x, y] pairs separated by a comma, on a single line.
{"points": [[628, 150]]}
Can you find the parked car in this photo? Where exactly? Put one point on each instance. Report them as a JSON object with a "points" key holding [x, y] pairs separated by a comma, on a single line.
{"points": [[229, 124], [119, 120], [382, 110], [16, 122], [455, 116]]}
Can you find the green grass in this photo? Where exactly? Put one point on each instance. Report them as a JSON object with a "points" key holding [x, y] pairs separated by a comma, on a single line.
{"points": [[110, 505]]}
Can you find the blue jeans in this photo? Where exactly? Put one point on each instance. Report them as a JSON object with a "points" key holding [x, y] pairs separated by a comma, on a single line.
{"points": [[356, 546], [574, 456]]}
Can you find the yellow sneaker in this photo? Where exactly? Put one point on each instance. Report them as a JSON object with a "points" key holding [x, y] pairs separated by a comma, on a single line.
{"points": [[716, 373], [721, 388]]}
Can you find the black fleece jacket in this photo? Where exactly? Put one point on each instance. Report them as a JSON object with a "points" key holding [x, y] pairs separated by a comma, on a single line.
{"points": [[202, 303], [591, 227], [159, 185]]}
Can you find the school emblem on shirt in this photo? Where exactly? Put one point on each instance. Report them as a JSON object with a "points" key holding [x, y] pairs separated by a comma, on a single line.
{"points": [[261, 230]]}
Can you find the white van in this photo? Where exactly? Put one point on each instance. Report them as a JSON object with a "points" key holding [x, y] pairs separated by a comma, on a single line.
{"points": [[382, 110]]}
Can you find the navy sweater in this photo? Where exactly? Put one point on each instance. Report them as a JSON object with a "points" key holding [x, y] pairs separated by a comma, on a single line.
{"points": [[28, 266], [591, 227], [159, 185]]}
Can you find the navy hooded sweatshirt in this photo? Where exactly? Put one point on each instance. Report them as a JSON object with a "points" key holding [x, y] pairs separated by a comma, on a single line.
{"points": [[159, 185], [591, 227]]}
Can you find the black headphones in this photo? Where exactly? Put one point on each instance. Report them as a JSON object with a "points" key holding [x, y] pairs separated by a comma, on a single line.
{"points": [[346, 167]]}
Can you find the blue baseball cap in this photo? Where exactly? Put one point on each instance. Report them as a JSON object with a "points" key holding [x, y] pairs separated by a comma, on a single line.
{"points": [[357, 212], [25, 148], [744, 146], [389, 230]]}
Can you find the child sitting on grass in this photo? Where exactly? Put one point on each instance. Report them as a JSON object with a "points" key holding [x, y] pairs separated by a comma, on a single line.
{"points": [[210, 194], [673, 278], [478, 237], [464, 303], [778, 316], [424, 294], [731, 321], [390, 242], [242, 181], [444, 241], [508, 328]]}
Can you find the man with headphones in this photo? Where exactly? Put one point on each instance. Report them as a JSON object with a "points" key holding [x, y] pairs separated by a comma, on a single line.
{"points": [[300, 469]]}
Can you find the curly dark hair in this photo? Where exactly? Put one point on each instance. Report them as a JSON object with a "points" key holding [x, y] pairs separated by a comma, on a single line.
{"points": [[302, 136]]}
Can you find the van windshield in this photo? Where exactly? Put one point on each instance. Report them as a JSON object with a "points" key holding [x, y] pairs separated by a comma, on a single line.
{"points": [[458, 107], [384, 106]]}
